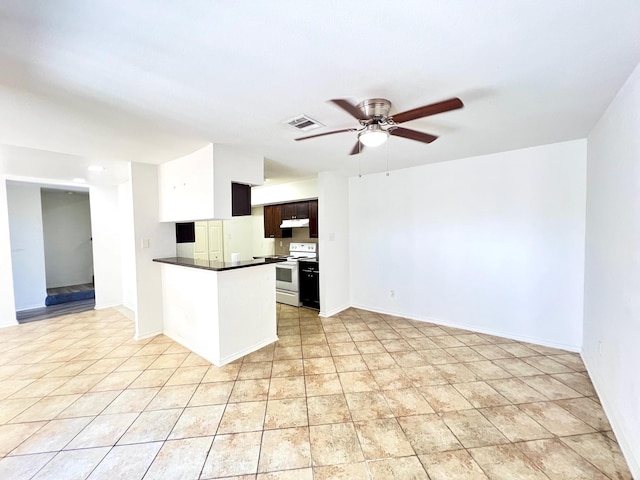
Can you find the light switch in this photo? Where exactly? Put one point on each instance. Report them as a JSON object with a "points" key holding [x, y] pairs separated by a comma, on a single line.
{"points": [[145, 243]]}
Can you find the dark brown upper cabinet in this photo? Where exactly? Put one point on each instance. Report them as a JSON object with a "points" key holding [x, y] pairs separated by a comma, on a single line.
{"points": [[295, 210], [272, 221], [313, 218], [240, 199]]}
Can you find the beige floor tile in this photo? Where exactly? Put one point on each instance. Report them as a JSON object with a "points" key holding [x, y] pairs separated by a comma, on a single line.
{"points": [[352, 471], [516, 367], [132, 400], [397, 468], [328, 409], [242, 417], [250, 390], [198, 422], [235, 454], [153, 378], [506, 461], [367, 406], [353, 382], [284, 449], [126, 462], [23, 467], [481, 394], [571, 360], [516, 391], [286, 387], [103, 431], [116, 381], [334, 444], [151, 426], [456, 373], [75, 464], [195, 360], [444, 398], [225, 373], [514, 424], [53, 436], [39, 388], [452, 465], [588, 411], [343, 348], [172, 360], [287, 368], [255, 370], [350, 363], [137, 363], [379, 361], [264, 354], [601, 451], [550, 387], [187, 375], [46, 408], [428, 434], [391, 378], [9, 387], [180, 459], [104, 365], [472, 429], [558, 461], [172, 397], [383, 439], [555, 418], [89, 404], [492, 352], [580, 382], [487, 370], [546, 364], [407, 402], [211, 394], [289, 352], [317, 366], [316, 351], [465, 354], [79, 384], [297, 474], [14, 434], [518, 350], [324, 384], [285, 413]]}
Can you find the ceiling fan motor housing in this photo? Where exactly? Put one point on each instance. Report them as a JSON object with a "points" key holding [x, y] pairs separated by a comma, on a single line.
{"points": [[375, 107]]}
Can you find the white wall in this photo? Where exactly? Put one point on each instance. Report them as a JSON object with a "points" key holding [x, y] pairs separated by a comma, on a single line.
{"points": [[152, 240], [7, 304], [66, 224], [333, 242], [612, 268], [127, 246], [105, 215], [238, 237], [492, 243], [285, 192], [27, 245]]}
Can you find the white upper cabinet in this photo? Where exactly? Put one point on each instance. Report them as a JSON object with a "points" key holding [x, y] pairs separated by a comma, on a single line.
{"points": [[198, 186]]}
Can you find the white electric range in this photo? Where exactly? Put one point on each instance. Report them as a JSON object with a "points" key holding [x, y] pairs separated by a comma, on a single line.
{"points": [[287, 276]]}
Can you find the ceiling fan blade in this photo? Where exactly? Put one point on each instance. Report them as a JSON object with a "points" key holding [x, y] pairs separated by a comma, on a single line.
{"points": [[357, 148], [434, 108], [326, 133], [412, 135], [350, 108]]}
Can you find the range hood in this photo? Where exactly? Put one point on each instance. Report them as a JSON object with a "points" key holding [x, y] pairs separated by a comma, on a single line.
{"points": [[297, 223]]}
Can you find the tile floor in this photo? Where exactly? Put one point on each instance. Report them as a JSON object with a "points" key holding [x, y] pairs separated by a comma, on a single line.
{"points": [[355, 396]]}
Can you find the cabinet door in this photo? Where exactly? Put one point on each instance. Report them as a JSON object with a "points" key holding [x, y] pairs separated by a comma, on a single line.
{"points": [[288, 211], [240, 199], [302, 210], [201, 247], [313, 218], [215, 240], [272, 221]]}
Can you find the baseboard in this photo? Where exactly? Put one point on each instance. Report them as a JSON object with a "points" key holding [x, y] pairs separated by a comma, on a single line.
{"points": [[148, 335], [333, 312], [617, 425], [246, 351], [474, 328], [127, 312], [9, 324], [102, 307], [31, 307]]}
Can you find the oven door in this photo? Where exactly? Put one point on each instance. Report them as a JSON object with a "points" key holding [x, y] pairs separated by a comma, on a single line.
{"points": [[287, 276]]}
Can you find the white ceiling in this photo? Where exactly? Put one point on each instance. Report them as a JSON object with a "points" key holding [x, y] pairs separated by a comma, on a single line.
{"points": [[151, 80]]}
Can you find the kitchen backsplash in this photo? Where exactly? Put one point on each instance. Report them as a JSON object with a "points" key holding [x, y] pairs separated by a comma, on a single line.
{"points": [[300, 235]]}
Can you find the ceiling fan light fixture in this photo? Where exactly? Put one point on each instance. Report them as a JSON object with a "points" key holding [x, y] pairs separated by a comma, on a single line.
{"points": [[373, 136]]}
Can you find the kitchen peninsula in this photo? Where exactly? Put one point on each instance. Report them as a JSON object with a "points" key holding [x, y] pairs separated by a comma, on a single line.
{"points": [[219, 310]]}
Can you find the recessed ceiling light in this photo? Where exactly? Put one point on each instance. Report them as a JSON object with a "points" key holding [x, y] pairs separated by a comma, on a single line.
{"points": [[69, 193], [79, 180], [96, 168]]}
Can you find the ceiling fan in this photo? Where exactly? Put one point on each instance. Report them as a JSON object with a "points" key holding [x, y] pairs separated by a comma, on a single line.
{"points": [[376, 124]]}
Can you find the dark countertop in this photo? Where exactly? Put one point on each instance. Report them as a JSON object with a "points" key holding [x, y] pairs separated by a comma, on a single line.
{"points": [[215, 265]]}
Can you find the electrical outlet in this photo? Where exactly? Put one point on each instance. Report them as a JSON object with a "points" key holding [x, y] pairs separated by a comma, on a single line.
{"points": [[393, 293], [600, 348], [280, 242]]}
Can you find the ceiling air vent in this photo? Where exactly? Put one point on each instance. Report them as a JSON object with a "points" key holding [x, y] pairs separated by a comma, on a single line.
{"points": [[304, 123]]}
